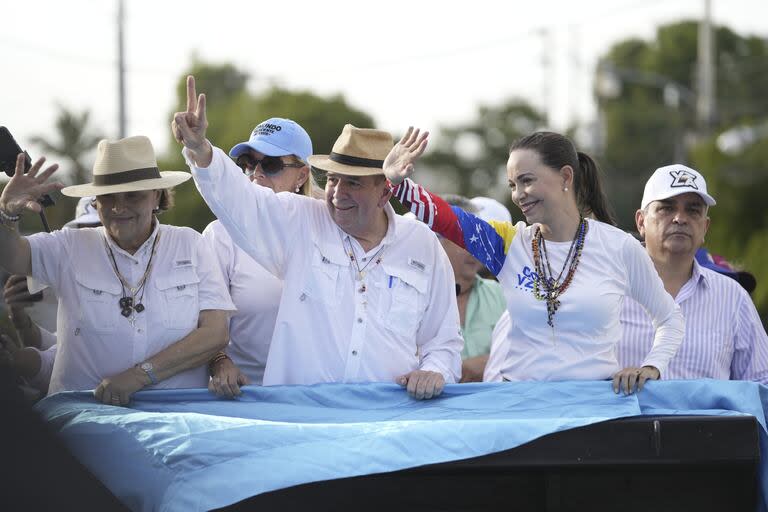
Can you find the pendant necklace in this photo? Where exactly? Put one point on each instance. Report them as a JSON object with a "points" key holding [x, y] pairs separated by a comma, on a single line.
{"points": [[360, 272], [128, 303]]}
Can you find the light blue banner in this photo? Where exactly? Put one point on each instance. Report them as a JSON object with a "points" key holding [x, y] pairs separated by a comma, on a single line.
{"points": [[186, 450]]}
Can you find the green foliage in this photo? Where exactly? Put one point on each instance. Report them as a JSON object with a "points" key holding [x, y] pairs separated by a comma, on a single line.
{"points": [[480, 170], [75, 140], [233, 112], [643, 133]]}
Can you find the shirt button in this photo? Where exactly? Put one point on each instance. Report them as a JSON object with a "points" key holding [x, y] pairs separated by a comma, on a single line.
{"points": [[139, 330], [77, 331], [302, 297], [359, 320], [354, 352]]}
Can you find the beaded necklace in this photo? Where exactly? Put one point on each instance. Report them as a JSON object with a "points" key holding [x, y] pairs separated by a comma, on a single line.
{"points": [[545, 286], [353, 260]]}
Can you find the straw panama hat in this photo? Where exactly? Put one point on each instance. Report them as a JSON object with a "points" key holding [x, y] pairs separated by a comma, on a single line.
{"points": [[357, 152], [126, 165]]}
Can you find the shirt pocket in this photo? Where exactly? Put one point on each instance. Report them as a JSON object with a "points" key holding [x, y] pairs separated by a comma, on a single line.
{"points": [[99, 302], [322, 283], [178, 291], [408, 302]]}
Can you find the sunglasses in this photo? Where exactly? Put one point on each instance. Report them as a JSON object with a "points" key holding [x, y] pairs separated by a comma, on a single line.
{"points": [[270, 165]]}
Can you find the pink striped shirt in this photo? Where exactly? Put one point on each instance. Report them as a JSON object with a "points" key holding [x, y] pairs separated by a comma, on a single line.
{"points": [[724, 337]]}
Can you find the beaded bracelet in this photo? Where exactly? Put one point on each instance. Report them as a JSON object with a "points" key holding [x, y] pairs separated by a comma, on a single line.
{"points": [[7, 217], [220, 356]]}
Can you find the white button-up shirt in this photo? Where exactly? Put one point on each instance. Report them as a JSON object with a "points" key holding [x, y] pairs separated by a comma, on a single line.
{"points": [[256, 294], [331, 327], [94, 339], [724, 337]]}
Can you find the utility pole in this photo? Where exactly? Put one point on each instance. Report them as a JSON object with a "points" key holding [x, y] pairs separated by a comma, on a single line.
{"points": [[546, 73], [120, 70], [705, 102]]}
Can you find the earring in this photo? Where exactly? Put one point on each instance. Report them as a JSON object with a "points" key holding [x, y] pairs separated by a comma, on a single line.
{"points": [[155, 209], [298, 188], [565, 189]]}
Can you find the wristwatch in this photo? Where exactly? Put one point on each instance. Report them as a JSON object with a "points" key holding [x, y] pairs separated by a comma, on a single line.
{"points": [[147, 368]]}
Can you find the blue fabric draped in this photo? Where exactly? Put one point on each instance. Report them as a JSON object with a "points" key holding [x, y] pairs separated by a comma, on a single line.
{"points": [[187, 450]]}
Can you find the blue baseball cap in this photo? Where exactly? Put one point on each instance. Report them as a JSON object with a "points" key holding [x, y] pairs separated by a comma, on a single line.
{"points": [[277, 137], [721, 266]]}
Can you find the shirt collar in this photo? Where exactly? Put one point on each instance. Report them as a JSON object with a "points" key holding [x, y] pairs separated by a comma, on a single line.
{"points": [[140, 253], [336, 251]]}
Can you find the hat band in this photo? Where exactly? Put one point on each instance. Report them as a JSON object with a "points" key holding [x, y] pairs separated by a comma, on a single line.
{"points": [[356, 161], [118, 178]]}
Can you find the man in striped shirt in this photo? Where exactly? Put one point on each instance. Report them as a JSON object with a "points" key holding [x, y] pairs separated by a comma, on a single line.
{"points": [[724, 336]]}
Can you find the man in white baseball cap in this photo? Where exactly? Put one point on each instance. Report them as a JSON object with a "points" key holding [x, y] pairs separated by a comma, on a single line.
{"points": [[724, 336]]}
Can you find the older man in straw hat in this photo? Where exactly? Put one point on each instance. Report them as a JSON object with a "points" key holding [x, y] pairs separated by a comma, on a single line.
{"points": [[368, 295], [140, 303]]}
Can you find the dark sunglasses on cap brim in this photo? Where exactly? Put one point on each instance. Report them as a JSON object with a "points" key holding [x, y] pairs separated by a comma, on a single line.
{"points": [[269, 164]]}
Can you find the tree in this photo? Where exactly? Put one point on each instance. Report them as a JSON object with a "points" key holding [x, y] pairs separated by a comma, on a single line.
{"points": [[646, 126], [233, 112], [644, 132], [471, 159], [75, 140]]}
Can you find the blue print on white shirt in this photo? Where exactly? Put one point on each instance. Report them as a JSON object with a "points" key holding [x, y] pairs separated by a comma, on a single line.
{"points": [[526, 279]]}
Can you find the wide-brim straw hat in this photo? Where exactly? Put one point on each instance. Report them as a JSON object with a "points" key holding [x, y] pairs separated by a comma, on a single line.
{"points": [[357, 152], [126, 165]]}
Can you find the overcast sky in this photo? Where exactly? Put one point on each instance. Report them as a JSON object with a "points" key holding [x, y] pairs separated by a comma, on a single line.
{"points": [[404, 62]]}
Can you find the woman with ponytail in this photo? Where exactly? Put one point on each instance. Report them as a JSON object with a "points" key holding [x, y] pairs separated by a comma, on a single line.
{"points": [[565, 274]]}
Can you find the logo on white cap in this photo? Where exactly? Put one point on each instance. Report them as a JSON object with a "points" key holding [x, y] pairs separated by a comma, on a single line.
{"points": [[683, 178]]}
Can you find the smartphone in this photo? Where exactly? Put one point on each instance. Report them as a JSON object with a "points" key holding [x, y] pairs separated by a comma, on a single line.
{"points": [[9, 150]]}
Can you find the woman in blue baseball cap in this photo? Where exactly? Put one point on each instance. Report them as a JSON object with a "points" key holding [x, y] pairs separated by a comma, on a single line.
{"points": [[275, 156]]}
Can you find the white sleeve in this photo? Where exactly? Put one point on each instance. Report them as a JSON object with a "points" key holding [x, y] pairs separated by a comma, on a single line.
{"points": [[647, 288], [43, 377], [213, 293], [222, 247], [499, 350], [47, 338], [260, 222], [439, 336], [49, 251]]}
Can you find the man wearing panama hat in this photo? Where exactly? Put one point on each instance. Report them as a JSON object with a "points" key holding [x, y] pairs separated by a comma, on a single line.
{"points": [[140, 303], [368, 295]]}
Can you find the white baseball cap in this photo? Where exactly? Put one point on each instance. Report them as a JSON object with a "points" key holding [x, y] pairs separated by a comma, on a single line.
{"points": [[490, 209], [85, 214], [673, 180]]}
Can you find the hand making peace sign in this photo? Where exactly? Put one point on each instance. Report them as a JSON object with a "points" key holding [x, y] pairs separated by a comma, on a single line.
{"points": [[189, 127]]}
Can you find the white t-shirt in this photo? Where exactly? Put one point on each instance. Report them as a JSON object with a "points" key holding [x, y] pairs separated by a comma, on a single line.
{"points": [[582, 345], [256, 294]]}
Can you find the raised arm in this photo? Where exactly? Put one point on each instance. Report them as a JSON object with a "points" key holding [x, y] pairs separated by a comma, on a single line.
{"points": [[189, 127], [488, 242], [19, 196], [264, 224]]}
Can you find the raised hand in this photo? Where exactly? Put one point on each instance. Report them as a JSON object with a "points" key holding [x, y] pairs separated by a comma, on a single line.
{"points": [[189, 127], [23, 190], [399, 162]]}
